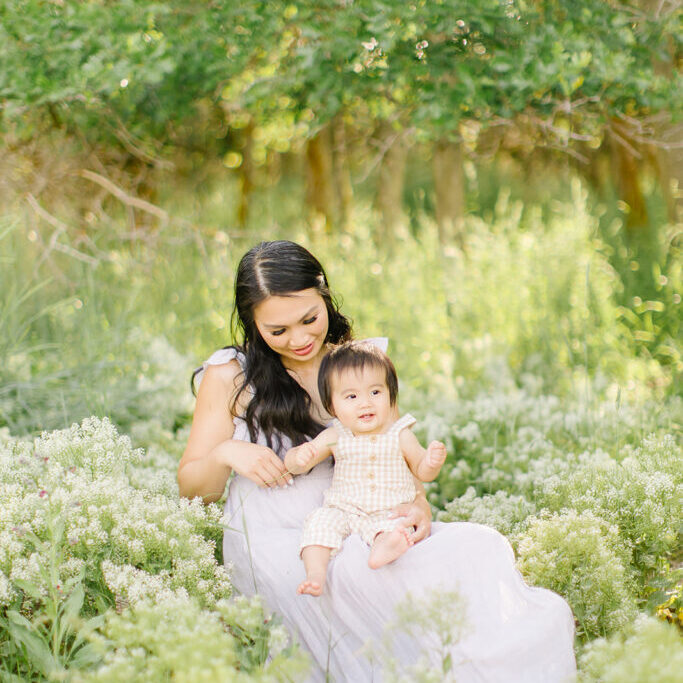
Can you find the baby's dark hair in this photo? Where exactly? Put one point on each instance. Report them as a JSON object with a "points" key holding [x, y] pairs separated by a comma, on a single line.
{"points": [[354, 355]]}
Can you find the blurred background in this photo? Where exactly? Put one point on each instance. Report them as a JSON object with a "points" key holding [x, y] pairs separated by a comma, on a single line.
{"points": [[494, 185]]}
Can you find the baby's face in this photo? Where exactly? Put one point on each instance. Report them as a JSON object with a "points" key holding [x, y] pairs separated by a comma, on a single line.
{"points": [[360, 400]]}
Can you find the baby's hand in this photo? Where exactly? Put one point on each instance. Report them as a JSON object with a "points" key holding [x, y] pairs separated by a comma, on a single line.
{"points": [[305, 454], [436, 454]]}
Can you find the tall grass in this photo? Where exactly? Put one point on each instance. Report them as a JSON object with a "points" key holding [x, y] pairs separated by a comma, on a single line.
{"points": [[532, 294]]}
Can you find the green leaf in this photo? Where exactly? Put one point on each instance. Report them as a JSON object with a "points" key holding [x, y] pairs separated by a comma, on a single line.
{"points": [[72, 605], [28, 588], [37, 649], [86, 657]]}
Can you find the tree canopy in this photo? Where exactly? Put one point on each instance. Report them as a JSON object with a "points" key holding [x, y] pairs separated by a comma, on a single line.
{"points": [[567, 64]]}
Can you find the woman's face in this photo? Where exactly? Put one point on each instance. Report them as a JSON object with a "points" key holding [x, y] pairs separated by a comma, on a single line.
{"points": [[294, 326]]}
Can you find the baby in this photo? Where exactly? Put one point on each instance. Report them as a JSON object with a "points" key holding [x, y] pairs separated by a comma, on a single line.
{"points": [[375, 459]]}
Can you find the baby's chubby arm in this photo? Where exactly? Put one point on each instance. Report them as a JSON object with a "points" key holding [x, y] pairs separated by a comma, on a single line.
{"points": [[425, 464], [305, 457]]}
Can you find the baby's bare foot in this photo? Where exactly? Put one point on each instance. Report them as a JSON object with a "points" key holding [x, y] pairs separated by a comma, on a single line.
{"points": [[313, 584], [388, 546]]}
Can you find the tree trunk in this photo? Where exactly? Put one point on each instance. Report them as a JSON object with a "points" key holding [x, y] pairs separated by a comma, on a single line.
{"points": [[625, 168], [668, 161], [320, 194], [246, 176], [342, 175], [391, 182], [449, 187]]}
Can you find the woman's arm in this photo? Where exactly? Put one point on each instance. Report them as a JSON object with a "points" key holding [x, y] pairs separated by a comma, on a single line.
{"points": [[418, 515], [211, 452]]}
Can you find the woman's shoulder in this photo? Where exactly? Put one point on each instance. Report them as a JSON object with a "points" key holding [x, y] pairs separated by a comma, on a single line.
{"points": [[225, 365], [224, 356]]}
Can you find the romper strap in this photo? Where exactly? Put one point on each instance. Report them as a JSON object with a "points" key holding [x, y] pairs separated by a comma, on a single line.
{"points": [[345, 431], [406, 421]]}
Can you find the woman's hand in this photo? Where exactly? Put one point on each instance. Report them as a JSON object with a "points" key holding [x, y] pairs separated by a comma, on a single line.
{"points": [[417, 517], [260, 464]]}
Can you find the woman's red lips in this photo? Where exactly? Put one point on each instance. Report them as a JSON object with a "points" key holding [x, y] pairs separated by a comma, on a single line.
{"points": [[304, 351]]}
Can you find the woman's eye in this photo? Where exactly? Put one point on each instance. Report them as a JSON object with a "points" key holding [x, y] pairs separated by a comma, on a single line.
{"points": [[310, 321], [277, 333]]}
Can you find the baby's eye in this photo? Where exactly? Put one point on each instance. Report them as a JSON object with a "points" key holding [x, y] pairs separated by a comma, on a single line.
{"points": [[376, 392], [351, 396], [277, 333], [310, 321]]}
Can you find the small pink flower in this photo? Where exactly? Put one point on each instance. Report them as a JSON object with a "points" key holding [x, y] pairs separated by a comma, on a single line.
{"points": [[43, 493]]}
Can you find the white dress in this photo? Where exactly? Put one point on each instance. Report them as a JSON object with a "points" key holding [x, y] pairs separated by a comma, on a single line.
{"points": [[515, 633]]}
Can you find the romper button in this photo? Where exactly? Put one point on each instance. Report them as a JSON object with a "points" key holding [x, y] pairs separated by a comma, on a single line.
{"points": [[372, 487], [373, 439], [372, 458], [371, 475]]}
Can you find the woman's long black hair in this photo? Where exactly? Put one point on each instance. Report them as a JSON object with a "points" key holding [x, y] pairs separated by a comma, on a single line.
{"points": [[279, 405]]}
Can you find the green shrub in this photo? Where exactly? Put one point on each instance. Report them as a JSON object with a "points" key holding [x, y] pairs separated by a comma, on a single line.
{"points": [[649, 651], [173, 638], [642, 495], [582, 558]]}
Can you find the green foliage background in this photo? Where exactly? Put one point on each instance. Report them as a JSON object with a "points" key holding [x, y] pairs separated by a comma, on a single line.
{"points": [[543, 345]]}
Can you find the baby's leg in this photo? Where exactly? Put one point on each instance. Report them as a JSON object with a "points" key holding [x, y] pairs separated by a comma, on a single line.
{"points": [[324, 531], [388, 546], [387, 537], [315, 559]]}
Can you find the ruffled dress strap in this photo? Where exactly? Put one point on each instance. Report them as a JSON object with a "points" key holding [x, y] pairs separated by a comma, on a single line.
{"points": [[406, 421], [220, 357]]}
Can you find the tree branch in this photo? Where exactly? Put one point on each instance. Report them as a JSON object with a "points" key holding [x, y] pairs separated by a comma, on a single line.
{"points": [[121, 195]]}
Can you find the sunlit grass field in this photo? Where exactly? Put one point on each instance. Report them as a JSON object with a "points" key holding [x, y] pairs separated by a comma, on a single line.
{"points": [[553, 378]]}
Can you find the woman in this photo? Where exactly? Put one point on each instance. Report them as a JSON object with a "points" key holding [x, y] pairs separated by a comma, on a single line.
{"points": [[257, 400]]}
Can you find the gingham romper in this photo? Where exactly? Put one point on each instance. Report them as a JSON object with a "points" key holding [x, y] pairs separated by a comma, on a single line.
{"points": [[370, 477]]}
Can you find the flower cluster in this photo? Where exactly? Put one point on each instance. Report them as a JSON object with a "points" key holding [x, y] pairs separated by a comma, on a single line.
{"points": [[502, 511], [172, 638], [82, 507], [435, 615], [590, 495], [642, 495]]}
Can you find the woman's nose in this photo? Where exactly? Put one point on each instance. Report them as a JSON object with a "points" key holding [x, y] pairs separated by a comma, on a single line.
{"points": [[299, 339]]}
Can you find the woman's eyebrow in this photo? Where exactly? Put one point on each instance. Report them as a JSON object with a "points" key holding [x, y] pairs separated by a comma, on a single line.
{"points": [[307, 314]]}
